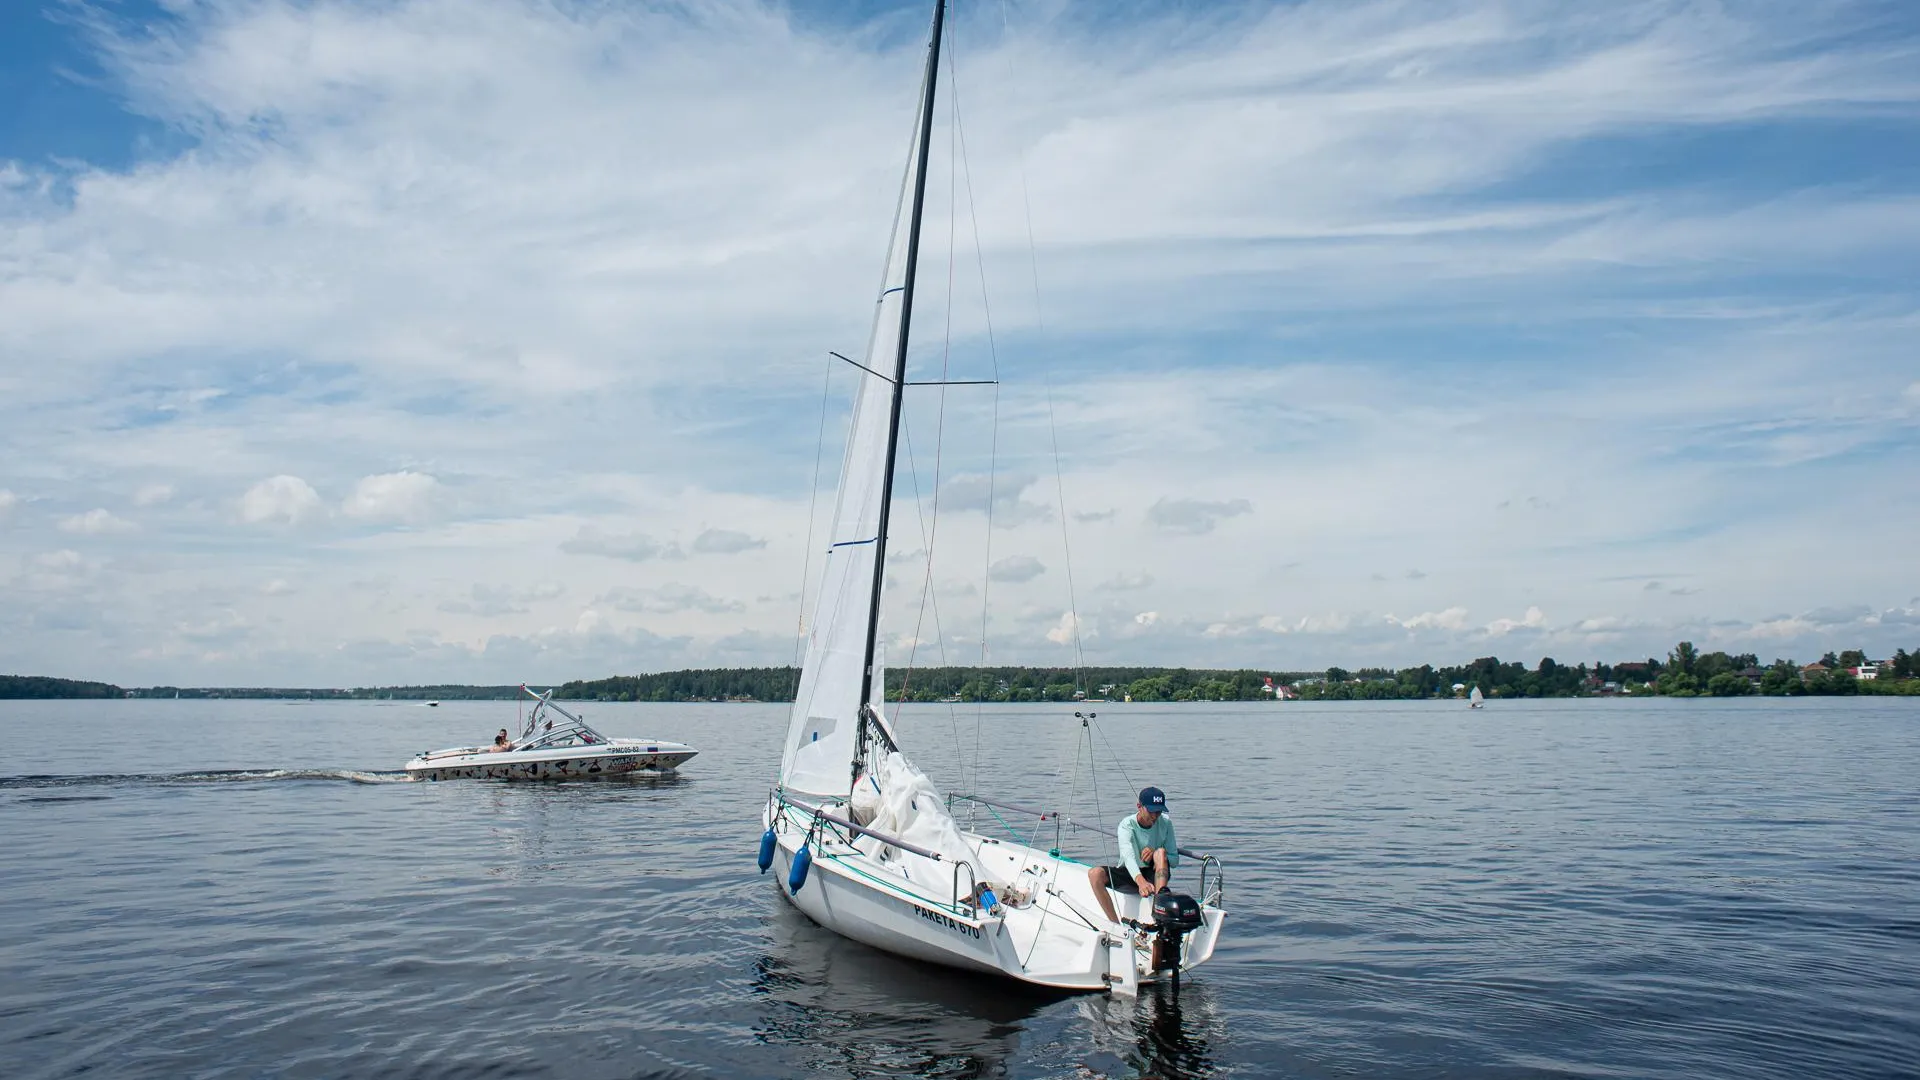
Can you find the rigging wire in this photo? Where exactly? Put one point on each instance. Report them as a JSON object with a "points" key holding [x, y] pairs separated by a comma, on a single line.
{"points": [[813, 504], [928, 598], [929, 533], [993, 353]]}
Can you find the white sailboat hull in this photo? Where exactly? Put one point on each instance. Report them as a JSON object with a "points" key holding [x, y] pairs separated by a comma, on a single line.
{"points": [[1056, 941]]}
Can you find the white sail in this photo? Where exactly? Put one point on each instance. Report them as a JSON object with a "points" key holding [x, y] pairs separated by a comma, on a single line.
{"points": [[824, 724]]}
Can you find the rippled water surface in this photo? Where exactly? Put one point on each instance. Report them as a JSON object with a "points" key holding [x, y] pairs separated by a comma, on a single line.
{"points": [[1592, 889]]}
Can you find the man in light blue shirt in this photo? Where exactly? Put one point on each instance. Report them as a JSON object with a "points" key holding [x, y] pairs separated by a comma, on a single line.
{"points": [[1148, 853]]}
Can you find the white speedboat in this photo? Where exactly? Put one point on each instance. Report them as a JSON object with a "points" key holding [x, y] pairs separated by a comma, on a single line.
{"points": [[554, 744]]}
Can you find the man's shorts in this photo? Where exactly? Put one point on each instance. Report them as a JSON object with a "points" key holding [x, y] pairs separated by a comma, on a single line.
{"points": [[1120, 879]]}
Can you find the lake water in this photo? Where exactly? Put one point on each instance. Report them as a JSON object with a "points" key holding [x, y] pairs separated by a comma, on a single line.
{"points": [[1538, 889]]}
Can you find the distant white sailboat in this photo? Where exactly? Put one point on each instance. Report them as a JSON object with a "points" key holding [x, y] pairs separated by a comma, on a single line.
{"points": [[1474, 700], [862, 841]]}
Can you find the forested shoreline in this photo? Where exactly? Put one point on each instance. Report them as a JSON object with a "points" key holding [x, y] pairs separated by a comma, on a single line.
{"points": [[1685, 672]]}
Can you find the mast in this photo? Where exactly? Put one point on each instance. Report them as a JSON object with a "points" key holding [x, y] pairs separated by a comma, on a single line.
{"points": [[899, 380]]}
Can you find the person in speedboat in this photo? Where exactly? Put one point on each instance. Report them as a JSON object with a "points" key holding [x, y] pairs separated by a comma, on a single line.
{"points": [[1148, 853], [500, 741]]}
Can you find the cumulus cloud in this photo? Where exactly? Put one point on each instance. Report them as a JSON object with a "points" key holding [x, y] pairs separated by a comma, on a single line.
{"points": [[404, 497], [285, 499], [725, 542], [96, 522], [633, 547], [1016, 569], [1147, 618], [1194, 516], [1003, 492], [1532, 620], [1453, 618], [153, 495], [1064, 631]]}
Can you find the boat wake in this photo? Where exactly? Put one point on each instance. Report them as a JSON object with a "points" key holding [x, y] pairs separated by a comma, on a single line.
{"points": [[205, 776]]}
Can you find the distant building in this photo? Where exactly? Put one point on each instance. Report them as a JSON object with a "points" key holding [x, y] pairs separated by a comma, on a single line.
{"points": [[1865, 671]]}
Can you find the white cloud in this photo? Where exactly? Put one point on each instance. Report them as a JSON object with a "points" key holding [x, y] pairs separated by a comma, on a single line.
{"points": [[1064, 631], [1005, 491], [1016, 569], [1194, 516], [725, 542], [1453, 618], [403, 496], [668, 599], [283, 498], [153, 495], [634, 547], [1127, 582], [96, 522], [1147, 618], [276, 587], [496, 600], [8, 500], [1532, 620]]}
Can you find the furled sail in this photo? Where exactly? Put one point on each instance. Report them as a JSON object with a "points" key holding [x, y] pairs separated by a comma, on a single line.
{"points": [[824, 724]]}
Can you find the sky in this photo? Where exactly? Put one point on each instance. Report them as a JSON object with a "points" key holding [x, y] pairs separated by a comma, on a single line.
{"points": [[414, 341]]}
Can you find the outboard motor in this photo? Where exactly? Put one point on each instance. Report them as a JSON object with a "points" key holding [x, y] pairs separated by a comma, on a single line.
{"points": [[1175, 915]]}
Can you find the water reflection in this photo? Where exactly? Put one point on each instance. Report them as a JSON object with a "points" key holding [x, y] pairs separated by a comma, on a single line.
{"points": [[849, 1010], [1156, 1037], [542, 826]]}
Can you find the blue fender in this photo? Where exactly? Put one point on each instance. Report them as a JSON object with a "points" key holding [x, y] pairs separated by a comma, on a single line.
{"points": [[766, 849], [797, 876]]}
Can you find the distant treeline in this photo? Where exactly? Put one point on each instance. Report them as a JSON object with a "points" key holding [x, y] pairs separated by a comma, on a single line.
{"points": [[700, 684], [41, 687], [1686, 672], [943, 684], [360, 693]]}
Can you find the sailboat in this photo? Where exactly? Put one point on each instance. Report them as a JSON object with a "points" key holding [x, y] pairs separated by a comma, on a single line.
{"points": [[861, 840], [1474, 700]]}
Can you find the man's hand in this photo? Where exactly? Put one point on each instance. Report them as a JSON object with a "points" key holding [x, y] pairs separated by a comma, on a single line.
{"points": [[1147, 888]]}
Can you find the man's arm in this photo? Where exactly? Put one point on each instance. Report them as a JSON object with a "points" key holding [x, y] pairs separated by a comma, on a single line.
{"points": [[1129, 850], [1173, 845]]}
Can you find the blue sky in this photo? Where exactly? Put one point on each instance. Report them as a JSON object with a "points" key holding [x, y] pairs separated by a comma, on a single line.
{"points": [[421, 340]]}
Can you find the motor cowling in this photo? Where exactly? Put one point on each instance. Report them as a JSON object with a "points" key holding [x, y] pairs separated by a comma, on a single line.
{"points": [[1176, 912], [1175, 915]]}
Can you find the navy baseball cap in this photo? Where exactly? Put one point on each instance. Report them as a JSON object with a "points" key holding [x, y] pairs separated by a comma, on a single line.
{"points": [[1154, 799]]}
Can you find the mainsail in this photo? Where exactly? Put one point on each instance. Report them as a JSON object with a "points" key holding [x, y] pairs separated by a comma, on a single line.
{"points": [[843, 654]]}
